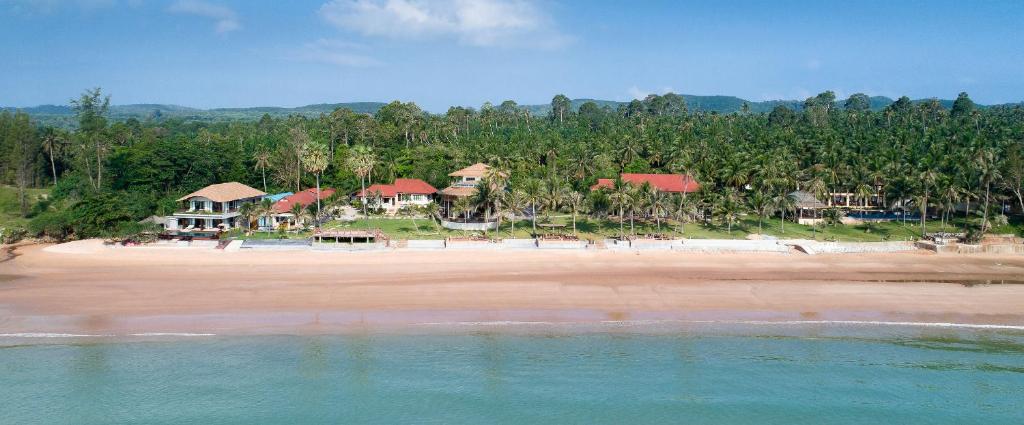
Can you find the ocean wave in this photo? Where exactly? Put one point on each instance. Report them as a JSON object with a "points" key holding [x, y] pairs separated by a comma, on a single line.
{"points": [[733, 322], [51, 335]]}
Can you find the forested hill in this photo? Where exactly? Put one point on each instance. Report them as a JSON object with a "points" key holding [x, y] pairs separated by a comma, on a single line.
{"points": [[63, 115]]}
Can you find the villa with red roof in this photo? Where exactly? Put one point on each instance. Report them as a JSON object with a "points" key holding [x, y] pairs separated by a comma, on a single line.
{"points": [[670, 183], [401, 193], [281, 211]]}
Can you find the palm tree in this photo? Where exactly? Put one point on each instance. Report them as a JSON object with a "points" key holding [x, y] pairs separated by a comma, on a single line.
{"points": [[433, 211], [729, 208], [262, 161], [361, 163], [658, 202], [636, 200], [315, 160], [534, 192], [620, 198], [250, 211], [760, 204], [988, 172], [516, 200], [552, 197], [465, 205], [575, 201], [52, 142], [485, 197], [299, 211], [784, 203]]}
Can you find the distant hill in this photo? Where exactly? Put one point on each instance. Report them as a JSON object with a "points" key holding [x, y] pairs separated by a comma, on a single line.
{"points": [[63, 115], [730, 104]]}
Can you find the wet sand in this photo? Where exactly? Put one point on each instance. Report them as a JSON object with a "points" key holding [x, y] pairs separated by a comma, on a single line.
{"points": [[85, 288]]}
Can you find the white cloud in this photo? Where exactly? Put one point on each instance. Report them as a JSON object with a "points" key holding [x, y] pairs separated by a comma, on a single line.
{"points": [[335, 52], [506, 23], [226, 19], [813, 64], [635, 92]]}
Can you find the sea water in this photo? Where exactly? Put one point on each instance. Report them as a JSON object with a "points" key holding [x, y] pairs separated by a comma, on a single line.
{"points": [[483, 374]]}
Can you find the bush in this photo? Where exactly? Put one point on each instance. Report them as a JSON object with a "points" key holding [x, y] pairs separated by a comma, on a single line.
{"points": [[9, 236]]}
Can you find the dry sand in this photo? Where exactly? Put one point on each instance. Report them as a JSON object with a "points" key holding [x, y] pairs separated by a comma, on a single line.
{"points": [[84, 287]]}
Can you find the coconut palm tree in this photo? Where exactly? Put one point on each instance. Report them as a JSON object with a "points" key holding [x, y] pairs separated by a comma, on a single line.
{"points": [[784, 203], [299, 211], [658, 202], [465, 205], [52, 143], [988, 172], [729, 208], [534, 192], [620, 199], [361, 162], [575, 201], [433, 211], [760, 204], [516, 200], [261, 161], [314, 159], [250, 211]]}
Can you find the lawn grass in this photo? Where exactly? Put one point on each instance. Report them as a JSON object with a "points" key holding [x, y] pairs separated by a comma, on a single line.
{"points": [[593, 228], [597, 228]]}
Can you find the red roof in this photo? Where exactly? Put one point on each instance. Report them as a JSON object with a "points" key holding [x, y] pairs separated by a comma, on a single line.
{"points": [[406, 186], [303, 198], [673, 183]]}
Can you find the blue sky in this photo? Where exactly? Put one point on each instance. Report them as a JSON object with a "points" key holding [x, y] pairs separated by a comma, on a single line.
{"points": [[208, 53]]}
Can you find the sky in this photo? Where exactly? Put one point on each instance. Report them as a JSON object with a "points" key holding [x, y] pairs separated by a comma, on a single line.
{"points": [[238, 53]]}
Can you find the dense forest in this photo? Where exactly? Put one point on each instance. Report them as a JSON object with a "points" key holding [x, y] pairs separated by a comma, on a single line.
{"points": [[107, 174]]}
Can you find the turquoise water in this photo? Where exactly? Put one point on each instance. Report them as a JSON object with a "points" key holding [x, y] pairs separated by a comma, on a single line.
{"points": [[809, 375]]}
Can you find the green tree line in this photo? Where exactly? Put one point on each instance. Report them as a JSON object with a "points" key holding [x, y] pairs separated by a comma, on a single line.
{"points": [[911, 155]]}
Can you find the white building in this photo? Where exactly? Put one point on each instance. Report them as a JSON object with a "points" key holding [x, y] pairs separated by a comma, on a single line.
{"points": [[213, 207]]}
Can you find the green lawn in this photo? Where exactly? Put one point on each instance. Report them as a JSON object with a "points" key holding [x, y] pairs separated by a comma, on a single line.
{"points": [[590, 228]]}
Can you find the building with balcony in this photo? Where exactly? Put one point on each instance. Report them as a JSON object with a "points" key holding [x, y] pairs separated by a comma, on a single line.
{"points": [[214, 207]]}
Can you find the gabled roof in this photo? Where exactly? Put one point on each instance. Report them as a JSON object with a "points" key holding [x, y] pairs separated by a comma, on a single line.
{"points": [[672, 183], [406, 186], [414, 186], [303, 198], [225, 192], [478, 170], [807, 201], [459, 191]]}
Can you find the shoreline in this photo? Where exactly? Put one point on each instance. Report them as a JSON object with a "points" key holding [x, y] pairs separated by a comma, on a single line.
{"points": [[80, 290]]}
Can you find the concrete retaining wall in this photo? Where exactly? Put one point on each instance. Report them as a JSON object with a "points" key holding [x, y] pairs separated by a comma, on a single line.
{"points": [[727, 245], [643, 244], [425, 244], [277, 244], [469, 227], [542, 244], [376, 246], [470, 245], [519, 243], [860, 247]]}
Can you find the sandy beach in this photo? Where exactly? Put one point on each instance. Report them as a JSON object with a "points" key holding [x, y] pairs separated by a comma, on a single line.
{"points": [[85, 288]]}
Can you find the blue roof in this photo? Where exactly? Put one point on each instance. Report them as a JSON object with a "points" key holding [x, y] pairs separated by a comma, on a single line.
{"points": [[277, 196]]}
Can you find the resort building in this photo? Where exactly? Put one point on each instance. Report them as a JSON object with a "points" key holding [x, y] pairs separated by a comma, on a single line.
{"points": [[670, 183], [281, 211], [463, 185], [805, 204], [213, 207], [401, 193]]}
